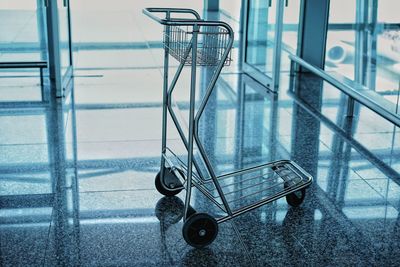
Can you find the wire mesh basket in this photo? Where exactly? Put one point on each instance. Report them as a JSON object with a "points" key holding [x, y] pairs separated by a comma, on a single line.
{"points": [[211, 44]]}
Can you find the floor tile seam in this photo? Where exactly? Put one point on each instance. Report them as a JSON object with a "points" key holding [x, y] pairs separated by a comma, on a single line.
{"points": [[352, 168], [116, 190], [121, 67], [387, 202], [125, 141], [333, 153], [48, 238], [383, 132], [108, 72], [26, 144], [18, 76], [105, 85], [366, 181]]}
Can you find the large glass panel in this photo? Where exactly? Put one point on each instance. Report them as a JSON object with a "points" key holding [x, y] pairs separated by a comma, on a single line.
{"points": [[364, 45], [388, 51], [22, 28], [261, 35], [341, 38], [290, 30], [22, 39]]}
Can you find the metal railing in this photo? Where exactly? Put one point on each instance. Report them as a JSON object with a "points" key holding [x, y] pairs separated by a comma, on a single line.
{"points": [[353, 94]]}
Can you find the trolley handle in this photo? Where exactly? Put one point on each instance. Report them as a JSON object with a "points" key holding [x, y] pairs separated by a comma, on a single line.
{"points": [[184, 22], [148, 11]]}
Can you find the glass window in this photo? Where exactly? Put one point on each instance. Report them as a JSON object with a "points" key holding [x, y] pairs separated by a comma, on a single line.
{"points": [[363, 44]]}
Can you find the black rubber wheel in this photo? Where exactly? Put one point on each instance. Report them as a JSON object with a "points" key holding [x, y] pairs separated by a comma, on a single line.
{"points": [[173, 185], [200, 230], [296, 198]]}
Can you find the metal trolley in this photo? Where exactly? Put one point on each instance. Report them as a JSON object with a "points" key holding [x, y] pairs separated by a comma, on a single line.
{"points": [[197, 42]]}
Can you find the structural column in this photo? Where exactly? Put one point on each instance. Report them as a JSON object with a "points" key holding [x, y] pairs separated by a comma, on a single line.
{"points": [[315, 15], [53, 37]]}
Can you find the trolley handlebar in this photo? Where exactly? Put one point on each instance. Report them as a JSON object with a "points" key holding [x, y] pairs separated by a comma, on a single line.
{"points": [[182, 21], [150, 10]]}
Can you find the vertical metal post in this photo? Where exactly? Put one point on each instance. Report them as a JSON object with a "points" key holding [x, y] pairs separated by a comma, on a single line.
{"points": [[42, 92], [165, 99], [242, 30], [40, 18], [350, 106], [211, 5], [276, 65], [68, 6], [373, 35], [191, 121], [53, 35], [41, 78]]}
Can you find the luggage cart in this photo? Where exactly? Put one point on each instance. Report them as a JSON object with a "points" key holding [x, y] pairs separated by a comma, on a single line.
{"points": [[197, 42]]}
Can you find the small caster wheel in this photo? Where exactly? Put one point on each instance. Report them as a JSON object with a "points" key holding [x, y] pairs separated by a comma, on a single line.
{"points": [[200, 230], [296, 198], [171, 185]]}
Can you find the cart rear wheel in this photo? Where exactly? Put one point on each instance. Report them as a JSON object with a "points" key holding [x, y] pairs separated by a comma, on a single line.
{"points": [[296, 198], [200, 230], [170, 185]]}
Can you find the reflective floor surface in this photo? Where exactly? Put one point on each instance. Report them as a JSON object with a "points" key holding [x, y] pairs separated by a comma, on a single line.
{"points": [[77, 175]]}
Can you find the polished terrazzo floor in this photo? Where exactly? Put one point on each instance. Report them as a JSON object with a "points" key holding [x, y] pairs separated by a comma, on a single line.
{"points": [[77, 175]]}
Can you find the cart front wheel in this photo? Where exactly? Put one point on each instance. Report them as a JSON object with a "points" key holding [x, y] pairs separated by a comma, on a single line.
{"points": [[170, 185], [200, 230], [295, 199]]}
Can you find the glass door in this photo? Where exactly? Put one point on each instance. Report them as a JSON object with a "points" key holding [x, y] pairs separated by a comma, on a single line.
{"points": [[263, 38], [59, 36]]}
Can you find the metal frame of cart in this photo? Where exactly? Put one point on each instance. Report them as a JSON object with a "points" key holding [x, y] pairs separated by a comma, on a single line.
{"points": [[197, 42]]}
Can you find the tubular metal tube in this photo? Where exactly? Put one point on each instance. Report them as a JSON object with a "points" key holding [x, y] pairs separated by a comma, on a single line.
{"points": [[184, 140], [212, 173], [191, 122], [350, 107], [165, 102], [171, 111], [150, 10], [193, 119], [185, 22]]}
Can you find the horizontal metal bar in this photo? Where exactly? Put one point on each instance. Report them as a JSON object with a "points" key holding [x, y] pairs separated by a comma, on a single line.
{"points": [[350, 91], [241, 189], [260, 191], [246, 180], [32, 64], [254, 168]]}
